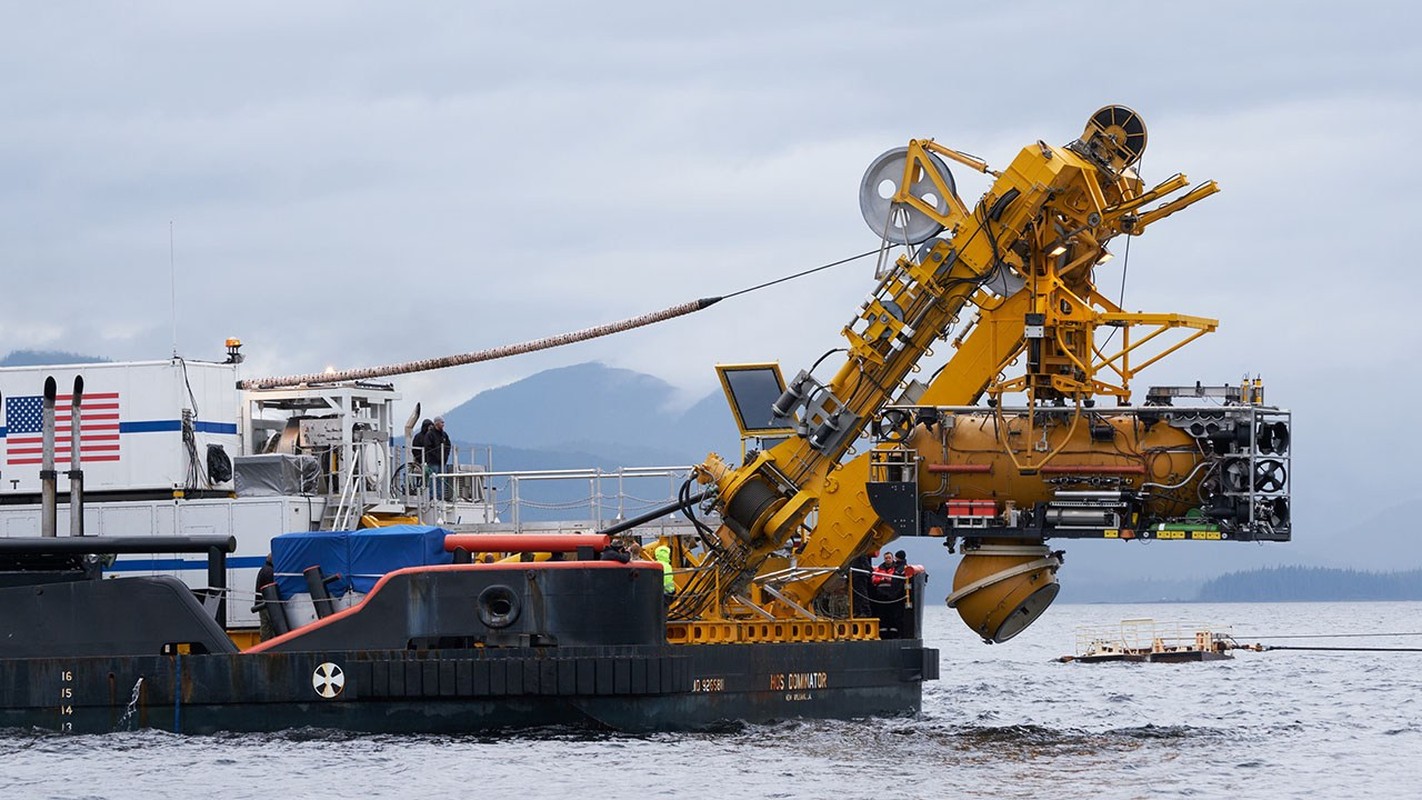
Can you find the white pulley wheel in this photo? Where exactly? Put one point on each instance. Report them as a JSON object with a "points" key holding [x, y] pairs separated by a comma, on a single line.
{"points": [[898, 222]]}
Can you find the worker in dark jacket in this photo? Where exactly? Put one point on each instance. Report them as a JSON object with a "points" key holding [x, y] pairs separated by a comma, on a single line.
{"points": [[898, 594], [616, 551], [900, 570], [417, 459], [859, 571], [417, 444], [438, 449], [265, 575]]}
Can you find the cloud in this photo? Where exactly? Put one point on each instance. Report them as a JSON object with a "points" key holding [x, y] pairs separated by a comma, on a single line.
{"points": [[354, 183]]}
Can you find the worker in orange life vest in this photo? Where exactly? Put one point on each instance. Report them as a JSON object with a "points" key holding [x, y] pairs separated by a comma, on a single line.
{"points": [[883, 576]]}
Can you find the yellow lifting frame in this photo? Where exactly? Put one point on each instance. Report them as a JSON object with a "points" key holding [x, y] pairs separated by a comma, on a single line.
{"points": [[918, 162], [1161, 212], [1126, 321], [1163, 323]]}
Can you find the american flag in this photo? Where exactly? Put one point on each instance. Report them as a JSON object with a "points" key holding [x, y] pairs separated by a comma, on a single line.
{"points": [[98, 431]]}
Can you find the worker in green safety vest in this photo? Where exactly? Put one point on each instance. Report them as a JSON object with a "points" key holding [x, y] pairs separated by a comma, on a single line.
{"points": [[663, 554]]}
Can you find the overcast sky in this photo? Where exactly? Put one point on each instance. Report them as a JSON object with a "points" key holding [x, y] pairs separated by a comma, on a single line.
{"points": [[353, 184]]}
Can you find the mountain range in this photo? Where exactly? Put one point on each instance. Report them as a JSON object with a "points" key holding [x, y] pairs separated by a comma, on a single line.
{"points": [[614, 417], [35, 358]]}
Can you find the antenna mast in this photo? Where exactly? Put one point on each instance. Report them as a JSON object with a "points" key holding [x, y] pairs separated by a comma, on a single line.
{"points": [[173, 287]]}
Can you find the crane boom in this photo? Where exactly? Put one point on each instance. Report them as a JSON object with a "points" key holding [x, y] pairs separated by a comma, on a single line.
{"points": [[1024, 257]]}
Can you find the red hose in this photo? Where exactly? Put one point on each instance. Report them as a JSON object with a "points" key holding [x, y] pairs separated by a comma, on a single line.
{"points": [[525, 542]]}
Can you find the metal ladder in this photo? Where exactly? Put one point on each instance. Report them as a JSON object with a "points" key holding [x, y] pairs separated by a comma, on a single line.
{"points": [[341, 514]]}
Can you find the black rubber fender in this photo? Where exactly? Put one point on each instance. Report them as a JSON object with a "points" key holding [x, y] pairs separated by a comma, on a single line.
{"points": [[499, 606]]}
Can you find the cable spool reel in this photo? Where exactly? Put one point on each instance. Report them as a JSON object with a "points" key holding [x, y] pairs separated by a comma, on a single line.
{"points": [[1116, 135], [898, 222], [1000, 589]]}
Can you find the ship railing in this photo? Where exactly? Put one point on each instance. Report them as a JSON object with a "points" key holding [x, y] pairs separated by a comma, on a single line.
{"points": [[433, 497], [530, 499], [472, 496]]}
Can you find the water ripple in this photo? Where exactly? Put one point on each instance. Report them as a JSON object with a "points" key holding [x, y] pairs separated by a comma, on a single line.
{"points": [[1003, 721]]}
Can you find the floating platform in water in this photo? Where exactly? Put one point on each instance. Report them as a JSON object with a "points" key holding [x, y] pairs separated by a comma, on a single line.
{"points": [[1145, 640]]}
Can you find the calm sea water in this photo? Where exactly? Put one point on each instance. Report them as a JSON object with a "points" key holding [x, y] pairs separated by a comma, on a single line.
{"points": [[1004, 721]]}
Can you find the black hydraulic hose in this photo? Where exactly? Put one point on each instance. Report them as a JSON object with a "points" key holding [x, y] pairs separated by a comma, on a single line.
{"points": [[669, 508], [708, 537], [86, 545], [1329, 635], [1348, 649]]}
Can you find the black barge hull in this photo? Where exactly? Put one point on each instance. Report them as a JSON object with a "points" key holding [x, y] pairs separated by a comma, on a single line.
{"points": [[453, 648], [635, 689]]}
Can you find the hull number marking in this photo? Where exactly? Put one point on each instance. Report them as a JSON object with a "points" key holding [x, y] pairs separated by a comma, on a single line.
{"points": [[797, 685], [66, 697]]}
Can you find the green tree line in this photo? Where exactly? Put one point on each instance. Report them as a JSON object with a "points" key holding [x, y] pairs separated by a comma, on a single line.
{"points": [[1312, 583]]}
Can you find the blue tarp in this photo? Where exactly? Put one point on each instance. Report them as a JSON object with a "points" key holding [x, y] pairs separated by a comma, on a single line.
{"points": [[359, 557], [292, 553], [376, 551]]}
